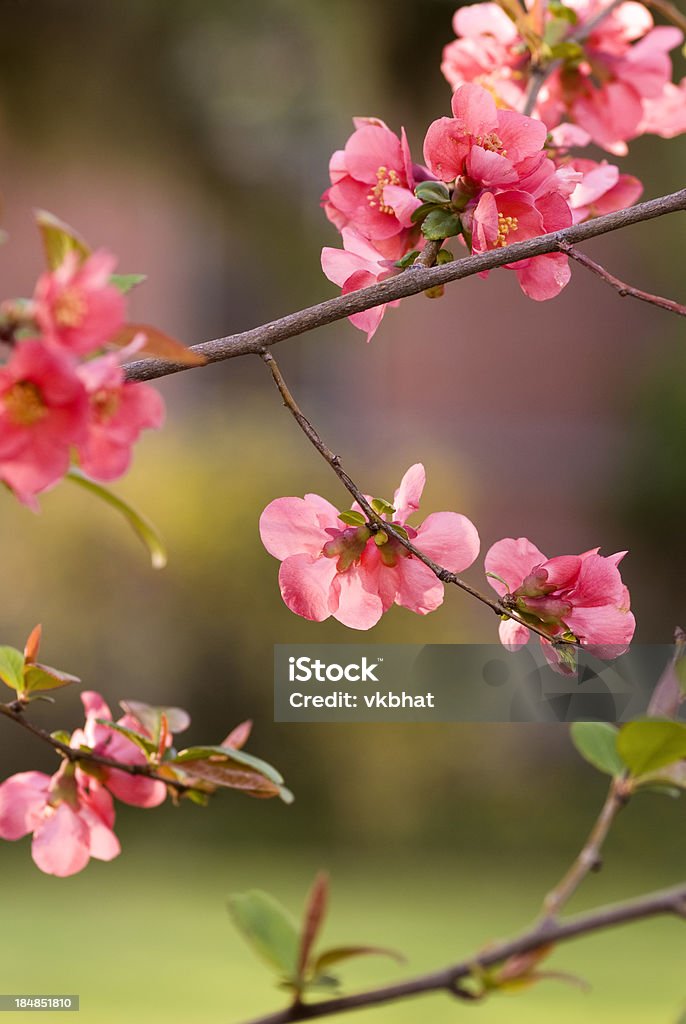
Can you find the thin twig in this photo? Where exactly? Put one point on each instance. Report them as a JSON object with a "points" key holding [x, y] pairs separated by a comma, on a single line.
{"points": [[254, 341], [76, 755], [376, 521], [547, 932], [621, 286], [589, 858]]}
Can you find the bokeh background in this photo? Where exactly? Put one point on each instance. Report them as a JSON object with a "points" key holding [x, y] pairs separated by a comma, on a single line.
{"points": [[192, 139]]}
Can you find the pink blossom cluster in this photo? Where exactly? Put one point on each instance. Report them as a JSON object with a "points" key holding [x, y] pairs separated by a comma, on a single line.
{"points": [[577, 597], [606, 78], [612, 74], [63, 397], [333, 564], [71, 813]]}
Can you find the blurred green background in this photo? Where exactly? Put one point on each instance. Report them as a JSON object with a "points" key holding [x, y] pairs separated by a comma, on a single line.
{"points": [[193, 140]]}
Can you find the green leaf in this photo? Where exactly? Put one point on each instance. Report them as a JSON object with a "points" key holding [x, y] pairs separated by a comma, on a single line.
{"points": [[125, 282], [441, 224], [150, 716], [335, 956], [59, 239], [444, 256], [44, 677], [421, 212], [432, 192], [12, 668], [569, 50], [648, 745], [229, 755], [560, 10], [597, 744], [141, 526], [407, 260], [269, 929], [352, 518], [382, 507], [144, 742], [494, 576]]}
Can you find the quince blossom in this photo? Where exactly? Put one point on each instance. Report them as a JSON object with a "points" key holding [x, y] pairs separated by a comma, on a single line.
{"points": [[118, 411], [43, 412], [332, 568], [70, 816], [75, 306], [606, 82], [372, 183], [358, 265], [101, 739], [574, 596]]}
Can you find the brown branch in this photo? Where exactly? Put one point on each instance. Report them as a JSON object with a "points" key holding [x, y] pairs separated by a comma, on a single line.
{"points": [[413, 282], [546, 932], [589, 858], [620, 286], [376, 522], [75, 755]]}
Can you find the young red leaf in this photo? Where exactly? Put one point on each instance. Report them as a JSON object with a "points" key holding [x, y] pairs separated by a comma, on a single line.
{"points": [[239, 736], [157, 343], [32, 644], [315, 911]]}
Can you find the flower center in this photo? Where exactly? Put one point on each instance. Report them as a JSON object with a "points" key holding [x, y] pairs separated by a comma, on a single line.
{"points": [[492, 142], [384, 177], [105, 403], [24, 403], [346, 545], [505, 226], [70, 308]]}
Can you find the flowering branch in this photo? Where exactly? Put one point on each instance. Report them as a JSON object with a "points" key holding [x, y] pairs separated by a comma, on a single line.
{"points": [[376, 522], [75, 755], [545, 933], [257, 339], [620, 286]]}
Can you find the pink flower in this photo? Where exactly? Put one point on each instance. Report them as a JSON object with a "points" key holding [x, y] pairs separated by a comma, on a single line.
{"points": [[131, 789], [581, 596], [505, 217], [480, 141], [605, 85], [119, 411], [357, 266], [329, 567], [43, 412], [602, 189], [665, 114], [71, 819], [372, 183], [75, 305]]}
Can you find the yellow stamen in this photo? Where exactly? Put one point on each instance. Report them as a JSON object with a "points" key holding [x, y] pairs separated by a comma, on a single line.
{"points": [[505, 226], [106, 403], [492, 142], [24, 403], [384, 177], [70, 308]]}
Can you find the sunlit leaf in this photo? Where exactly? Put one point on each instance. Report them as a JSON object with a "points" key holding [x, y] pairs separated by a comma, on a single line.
{"points": [[341, 953], [59, 239], [597, 744], [44, 677], [651, 744], [159, 344], [232, 756], [352, 518], [141, 526], [269, 929], [12, 668]]}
